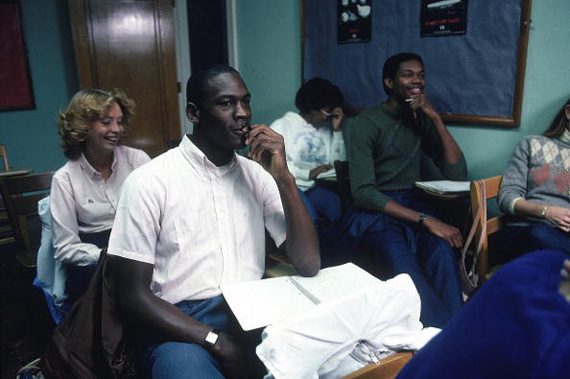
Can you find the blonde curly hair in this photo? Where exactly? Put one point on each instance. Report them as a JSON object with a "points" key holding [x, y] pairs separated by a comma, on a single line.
{"points": [[85, 107]]}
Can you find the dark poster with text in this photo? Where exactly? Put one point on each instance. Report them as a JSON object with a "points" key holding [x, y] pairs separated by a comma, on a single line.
{"points": [[443, 17]]}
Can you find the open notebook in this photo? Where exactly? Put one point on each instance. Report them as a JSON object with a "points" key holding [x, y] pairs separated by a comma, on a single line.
{"points": [[442, 187], [263, 302], [330, 174]]}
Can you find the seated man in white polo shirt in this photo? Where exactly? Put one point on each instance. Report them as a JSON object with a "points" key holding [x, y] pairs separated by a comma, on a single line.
{"points": [[194, 218]]}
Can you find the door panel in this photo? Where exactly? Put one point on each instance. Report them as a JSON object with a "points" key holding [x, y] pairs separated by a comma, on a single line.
{"points": [[130, 45]]}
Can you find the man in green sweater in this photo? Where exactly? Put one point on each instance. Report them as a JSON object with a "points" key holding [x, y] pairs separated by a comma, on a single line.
{"points": [[386, 146]]}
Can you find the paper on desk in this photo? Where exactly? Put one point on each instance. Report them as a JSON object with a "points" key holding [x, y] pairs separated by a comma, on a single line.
{"points": [[327, 174], [263, 302], [444, 186]]}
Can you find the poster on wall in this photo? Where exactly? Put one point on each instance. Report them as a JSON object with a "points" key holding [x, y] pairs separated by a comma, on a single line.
{"points": [[15, 82], [443, 18], [354, 21]]}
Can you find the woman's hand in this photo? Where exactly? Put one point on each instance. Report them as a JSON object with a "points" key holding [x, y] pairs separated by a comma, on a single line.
{"points": [[559, 217]]}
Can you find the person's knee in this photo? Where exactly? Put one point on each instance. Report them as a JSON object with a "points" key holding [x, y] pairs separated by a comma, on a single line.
{"points": [[177, 359]]}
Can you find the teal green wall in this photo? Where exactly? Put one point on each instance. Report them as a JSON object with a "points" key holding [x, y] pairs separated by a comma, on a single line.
{"points": [[270, 60], [31, 135], [269, 51], [269, 46]]}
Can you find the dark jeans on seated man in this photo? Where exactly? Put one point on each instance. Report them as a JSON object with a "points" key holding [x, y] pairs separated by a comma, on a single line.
{"points": [[397, 247], [179, 359], [323, 204]]}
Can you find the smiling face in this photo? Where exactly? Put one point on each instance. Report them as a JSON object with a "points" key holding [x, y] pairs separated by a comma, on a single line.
{"points": [[408, 82], [223, 118], [105, 132]]}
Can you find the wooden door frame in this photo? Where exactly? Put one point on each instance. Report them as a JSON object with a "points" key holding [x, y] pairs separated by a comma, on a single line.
{"points": [[183, 63]]}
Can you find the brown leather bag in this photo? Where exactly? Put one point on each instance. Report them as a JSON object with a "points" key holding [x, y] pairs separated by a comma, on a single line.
{"points": [[91, 341]]}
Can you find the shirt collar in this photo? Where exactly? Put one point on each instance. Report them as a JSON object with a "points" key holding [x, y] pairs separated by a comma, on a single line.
{"points": [[86, 166], [395, 113], [200, 162]]}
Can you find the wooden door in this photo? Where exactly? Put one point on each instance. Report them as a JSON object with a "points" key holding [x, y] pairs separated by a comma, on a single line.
{"points": [[130, 45]]}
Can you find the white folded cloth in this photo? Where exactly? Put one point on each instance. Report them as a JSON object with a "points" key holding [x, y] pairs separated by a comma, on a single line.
{"points": [[338, 337]]}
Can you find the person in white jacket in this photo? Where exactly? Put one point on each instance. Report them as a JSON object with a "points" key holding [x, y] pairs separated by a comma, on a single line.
{"points": [[313, 141]]}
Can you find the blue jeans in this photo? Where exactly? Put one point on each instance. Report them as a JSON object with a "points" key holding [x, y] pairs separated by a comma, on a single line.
{"points": [[322, 204], [186, 360], [397, 247], [514, 240], [325, 202]]}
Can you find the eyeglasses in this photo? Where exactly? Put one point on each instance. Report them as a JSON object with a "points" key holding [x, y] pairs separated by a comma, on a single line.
{"points": [[329, 115]]}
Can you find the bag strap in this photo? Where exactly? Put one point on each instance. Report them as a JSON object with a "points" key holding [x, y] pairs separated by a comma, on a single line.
{"points": [[482, 210]]}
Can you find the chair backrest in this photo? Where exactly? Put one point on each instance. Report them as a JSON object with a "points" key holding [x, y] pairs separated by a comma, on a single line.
{"points": [[481, 191], [21, 195], [4, 157], [343, 180], [388, 367]]}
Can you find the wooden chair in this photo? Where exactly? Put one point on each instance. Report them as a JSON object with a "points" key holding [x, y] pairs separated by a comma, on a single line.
{"points": [[4, 157], [276, 263], [5, 229], [21, 195], [481, 191], [388, 368]]}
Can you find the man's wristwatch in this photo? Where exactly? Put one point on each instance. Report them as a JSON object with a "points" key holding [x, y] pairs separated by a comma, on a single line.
{"points": [[211, 338], [422, 218]]}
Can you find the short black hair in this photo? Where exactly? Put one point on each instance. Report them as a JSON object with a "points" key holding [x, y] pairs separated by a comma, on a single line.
{"points": [[195, 87], [393, 63], [316, 94]]}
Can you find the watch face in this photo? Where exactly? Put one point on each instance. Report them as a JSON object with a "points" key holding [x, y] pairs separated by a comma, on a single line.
{"points": [[212, 337]]}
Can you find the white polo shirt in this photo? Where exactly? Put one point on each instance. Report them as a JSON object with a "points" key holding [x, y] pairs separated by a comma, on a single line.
{"points": [[198, 224]]}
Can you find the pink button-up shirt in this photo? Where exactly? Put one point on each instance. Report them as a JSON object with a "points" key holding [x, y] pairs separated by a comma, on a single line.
{"points": [[198, 224]]}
